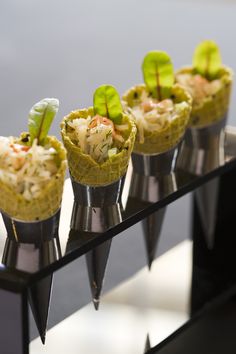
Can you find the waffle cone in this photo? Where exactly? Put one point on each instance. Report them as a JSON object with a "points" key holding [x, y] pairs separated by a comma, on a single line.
{"points": [[46, 204], [166, 138], [212, 108], [83, 168]]}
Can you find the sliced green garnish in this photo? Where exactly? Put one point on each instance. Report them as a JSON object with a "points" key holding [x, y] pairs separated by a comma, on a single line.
{"points": [[40, 119], [112, 152], [106, 102], [207, 59], [158, 74]]}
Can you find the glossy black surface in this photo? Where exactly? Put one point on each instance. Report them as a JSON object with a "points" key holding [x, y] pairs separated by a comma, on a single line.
{"points": [[214, 267], [14, 334], [73, 243], [212, 332], [213, 291]]}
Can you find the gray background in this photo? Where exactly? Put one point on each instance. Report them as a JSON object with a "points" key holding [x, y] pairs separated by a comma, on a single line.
{"points": [[65, 49]]}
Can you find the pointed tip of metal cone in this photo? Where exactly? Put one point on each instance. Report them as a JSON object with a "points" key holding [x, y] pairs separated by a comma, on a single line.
{"points": [[96, 265], [152, 226], [43, 337], [39, 299], [150, 264], [96, 303]]}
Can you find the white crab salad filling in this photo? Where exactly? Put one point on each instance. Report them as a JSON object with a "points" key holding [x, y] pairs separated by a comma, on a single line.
{"points": [[153, 115], [198, 86], [27, 169], [97, 136]]}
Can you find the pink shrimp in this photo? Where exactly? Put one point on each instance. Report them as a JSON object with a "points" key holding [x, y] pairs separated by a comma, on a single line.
{"points": [[17, 148], [147, 105], [106, 121]]}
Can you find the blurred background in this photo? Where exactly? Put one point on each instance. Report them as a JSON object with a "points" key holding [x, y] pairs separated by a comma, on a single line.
{"points": [[66, 49]]}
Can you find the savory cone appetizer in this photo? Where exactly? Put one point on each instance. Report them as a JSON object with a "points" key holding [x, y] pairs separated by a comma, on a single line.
{"points": [[99, 140], [209, 83], [160, 109], [32, 168]]}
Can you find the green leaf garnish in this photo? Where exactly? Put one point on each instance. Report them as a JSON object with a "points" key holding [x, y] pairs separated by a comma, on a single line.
{"points": [[106, 102], [40, 118], [207, 59], [158, 74]]}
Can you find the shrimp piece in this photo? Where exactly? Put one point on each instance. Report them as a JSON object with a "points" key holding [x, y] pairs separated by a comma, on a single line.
{"points": [[200, 80], [94, 121], [18, 148], [106, 121], [102, 120], [148, 106], [164, 106], [18, 163], [25, 148]]}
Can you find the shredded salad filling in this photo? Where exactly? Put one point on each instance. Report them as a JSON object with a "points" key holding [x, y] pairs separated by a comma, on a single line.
{"points": [[27, 169], [153, 115], [198, 86], [97, 136]]}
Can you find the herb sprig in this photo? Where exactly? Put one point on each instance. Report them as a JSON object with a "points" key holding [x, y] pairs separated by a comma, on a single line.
{"points": [[41, 116], [158, 74], [207, 59], [106, 102]]}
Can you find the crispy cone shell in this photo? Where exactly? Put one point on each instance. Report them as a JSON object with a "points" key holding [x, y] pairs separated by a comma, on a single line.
{"points": [[166, 138], [212, 108], [83, 168], [46, 204]]}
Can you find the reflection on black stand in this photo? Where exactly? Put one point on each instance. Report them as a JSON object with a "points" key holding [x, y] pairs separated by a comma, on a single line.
{"points": [[95, 210], [29, 247], [203, 151], [153, 178], [214, 269]]}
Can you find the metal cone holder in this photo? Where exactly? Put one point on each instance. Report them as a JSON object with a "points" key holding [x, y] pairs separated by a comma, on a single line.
{"points": [[29, 247], [201, 152], [95, 210], [153, 178]]}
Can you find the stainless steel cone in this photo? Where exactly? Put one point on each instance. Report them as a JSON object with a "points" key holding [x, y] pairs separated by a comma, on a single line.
{"points": [[153, 178], [34, 232], [95, 219], [153, 175], [96, 261], [39, 299], [95, 210], [152, 229], [96, 265], [203, 151], [30, 247], [230, 142]]}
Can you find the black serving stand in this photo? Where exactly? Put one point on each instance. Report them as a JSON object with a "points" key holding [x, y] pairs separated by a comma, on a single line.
{"points": [[213, 267]]}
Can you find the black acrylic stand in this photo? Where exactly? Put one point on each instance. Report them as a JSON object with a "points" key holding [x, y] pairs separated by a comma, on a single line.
{"points": [[213, 268]]}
